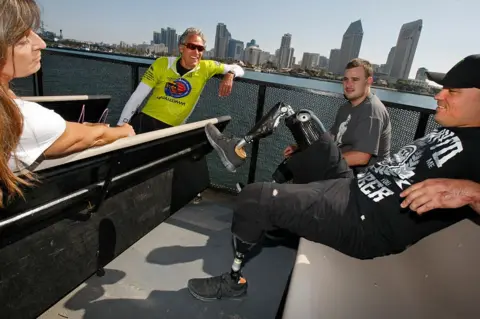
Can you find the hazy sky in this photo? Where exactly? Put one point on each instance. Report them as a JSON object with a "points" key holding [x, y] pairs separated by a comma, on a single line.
{"points": [[317, 26]]}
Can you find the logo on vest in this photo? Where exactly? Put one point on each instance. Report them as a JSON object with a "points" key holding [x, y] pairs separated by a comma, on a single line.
{"points": [[178, 88]]}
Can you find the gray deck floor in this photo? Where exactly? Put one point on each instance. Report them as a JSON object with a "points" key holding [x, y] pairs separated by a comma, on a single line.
{"points": [[149, 279]]}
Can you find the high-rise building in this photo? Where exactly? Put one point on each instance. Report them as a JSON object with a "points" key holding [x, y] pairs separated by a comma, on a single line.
{"points": [[391, 55], [163, 36], [351, 43], [171, 41], [222, 37], [322, 62], [168, 37], [291, 58], [264, 57], [309, 60], [235, 49], [252, 55], [334, 60], [285, 53], [405, 49], [157, 37]]}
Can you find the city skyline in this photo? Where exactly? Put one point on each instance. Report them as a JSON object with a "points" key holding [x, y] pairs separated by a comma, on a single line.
{"points": [[314, 30]]}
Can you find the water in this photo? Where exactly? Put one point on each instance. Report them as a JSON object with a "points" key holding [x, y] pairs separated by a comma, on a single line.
{"points": [[410, 99]]}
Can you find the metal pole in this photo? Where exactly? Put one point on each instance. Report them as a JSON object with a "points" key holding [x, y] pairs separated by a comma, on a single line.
{"points": [[260, 109], [134, 77], [422, 125]]}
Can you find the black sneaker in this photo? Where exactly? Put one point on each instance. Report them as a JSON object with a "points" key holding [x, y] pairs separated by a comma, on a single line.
{"points": [[225, 147], [219, 287]]}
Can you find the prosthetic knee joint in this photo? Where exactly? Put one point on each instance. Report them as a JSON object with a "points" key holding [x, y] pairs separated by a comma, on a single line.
{"points": [[306, 129]]}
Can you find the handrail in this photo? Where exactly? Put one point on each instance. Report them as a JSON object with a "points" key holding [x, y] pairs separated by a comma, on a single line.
{"points": [[31, 212], [128, 142], [61, 98]]}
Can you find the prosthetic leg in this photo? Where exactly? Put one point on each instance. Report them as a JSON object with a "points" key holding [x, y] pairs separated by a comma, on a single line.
{"points": [[306, 129], [232, 150], [241, 249], [267, 124]]}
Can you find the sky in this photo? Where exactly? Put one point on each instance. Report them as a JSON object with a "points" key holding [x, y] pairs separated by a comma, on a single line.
{"points": [[317, 26]]}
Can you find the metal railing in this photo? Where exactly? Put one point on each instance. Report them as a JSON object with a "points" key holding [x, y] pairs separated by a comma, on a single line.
{"points": [[79, 72]]}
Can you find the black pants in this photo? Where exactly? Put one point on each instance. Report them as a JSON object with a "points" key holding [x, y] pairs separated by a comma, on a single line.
{"points": [[324, 211], [319, 211], [190, 177], [143, 123]]}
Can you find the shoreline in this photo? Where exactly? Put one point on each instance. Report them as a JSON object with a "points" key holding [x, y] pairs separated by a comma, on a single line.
{"points": [[338, 81]]}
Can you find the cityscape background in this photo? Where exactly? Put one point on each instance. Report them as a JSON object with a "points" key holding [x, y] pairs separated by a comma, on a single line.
{"points": [[302, 39]]}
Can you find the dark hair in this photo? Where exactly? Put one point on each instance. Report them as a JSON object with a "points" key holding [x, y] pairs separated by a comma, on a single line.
{"points": [[363, 63], [17, 18]]}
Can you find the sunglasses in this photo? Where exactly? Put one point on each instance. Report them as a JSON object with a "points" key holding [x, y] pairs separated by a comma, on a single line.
{"points": [[192, 46]]}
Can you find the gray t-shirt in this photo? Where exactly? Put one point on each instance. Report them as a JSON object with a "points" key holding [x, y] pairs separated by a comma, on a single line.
{"points": [[364, 128]]}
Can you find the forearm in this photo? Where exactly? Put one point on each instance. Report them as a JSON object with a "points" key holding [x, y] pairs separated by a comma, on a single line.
{"points": [[475, 197], [355, 158], [78, 137], [236, 69], [134, 102]]}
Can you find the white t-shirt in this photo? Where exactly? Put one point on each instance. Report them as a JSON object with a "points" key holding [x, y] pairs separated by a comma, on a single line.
{"points": [[41, 128]]}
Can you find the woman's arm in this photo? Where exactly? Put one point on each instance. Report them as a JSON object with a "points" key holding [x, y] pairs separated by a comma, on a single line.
{"points": [[78, 137]]}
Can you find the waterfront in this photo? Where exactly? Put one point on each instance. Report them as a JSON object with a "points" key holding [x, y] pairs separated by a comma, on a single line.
{"points": [[387, 95]]}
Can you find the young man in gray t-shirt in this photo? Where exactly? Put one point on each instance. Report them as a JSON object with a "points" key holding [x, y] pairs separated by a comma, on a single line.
{"points": [[362, 131], [362, 126]]}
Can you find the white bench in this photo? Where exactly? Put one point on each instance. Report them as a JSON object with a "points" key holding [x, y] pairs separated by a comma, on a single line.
{"points": [[439, 277]]}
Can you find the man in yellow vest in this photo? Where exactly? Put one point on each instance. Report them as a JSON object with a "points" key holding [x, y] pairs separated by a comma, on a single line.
{"points": [[177, 83]]}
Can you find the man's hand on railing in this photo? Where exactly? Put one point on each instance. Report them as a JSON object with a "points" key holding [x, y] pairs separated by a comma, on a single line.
{"points": [[441, 193], [226, 85]]}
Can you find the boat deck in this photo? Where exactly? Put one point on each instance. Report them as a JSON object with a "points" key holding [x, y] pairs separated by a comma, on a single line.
{"points": [[149, 279]]}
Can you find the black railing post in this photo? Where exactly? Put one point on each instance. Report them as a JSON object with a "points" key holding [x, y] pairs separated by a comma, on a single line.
{"points": [[422, 125], [103, 193], [260, 108], [134, 77], [38, 83]]}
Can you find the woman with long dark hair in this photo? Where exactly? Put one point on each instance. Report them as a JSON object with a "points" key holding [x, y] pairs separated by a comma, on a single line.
{"points": [[29, 131]]}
